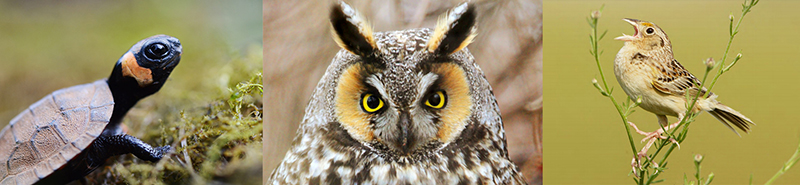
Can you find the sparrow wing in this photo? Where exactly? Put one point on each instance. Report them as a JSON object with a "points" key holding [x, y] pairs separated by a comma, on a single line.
{"points": [[672, 78]]}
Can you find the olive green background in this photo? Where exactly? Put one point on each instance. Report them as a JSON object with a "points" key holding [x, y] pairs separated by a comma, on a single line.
{"points": [[584, 136]]}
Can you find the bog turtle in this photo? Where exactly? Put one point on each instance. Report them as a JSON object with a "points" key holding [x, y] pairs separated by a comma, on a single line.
{"points": [[69, 133]]}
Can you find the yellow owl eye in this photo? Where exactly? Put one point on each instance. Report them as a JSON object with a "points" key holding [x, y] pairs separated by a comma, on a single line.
{"points": [[436, 100], [371, 103]]}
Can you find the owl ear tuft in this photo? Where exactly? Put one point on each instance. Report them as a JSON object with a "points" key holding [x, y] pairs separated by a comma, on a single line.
{"points": [[455, 30], [351, 31]]}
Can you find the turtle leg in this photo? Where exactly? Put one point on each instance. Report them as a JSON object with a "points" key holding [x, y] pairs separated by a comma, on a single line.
{"points": [[115, 129], [106, 146], [101, 149]]}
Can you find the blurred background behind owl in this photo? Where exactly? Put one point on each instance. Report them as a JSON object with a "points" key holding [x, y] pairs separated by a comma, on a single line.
{"points": [[298, 48]]}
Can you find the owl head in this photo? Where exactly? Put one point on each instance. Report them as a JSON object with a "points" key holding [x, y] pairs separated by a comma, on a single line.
{"points": [[404, 93]]}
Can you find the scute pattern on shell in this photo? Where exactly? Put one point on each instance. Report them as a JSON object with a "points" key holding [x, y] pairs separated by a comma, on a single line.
{"points": [[324, 153], [53, 130]]}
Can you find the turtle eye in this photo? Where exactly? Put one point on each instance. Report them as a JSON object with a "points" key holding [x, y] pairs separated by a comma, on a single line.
{"points": [[436, 100], [371, 103], [156, 51], [650, 31]]}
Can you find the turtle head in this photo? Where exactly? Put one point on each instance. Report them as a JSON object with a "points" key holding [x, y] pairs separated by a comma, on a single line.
{"points": [[144, 69], [150, 61], [146, 66]]}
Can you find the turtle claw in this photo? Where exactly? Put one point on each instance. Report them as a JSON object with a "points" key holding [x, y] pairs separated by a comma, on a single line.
{"points": [[162, 151]]}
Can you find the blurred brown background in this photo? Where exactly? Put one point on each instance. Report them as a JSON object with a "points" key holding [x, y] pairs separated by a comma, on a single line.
{"points": [[298, 48]]}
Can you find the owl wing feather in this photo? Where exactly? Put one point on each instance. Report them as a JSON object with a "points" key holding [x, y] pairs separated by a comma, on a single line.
{"points": [[672, 78]]}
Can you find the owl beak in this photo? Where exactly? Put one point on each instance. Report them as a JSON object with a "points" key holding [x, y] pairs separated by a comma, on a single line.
{"points": [[405, 141]]}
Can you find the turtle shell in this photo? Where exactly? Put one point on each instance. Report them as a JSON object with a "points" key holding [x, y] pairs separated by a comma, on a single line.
{"points": [[52, 131]]}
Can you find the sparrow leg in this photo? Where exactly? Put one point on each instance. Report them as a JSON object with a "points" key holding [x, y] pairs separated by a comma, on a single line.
{"points": [[642, 154], [662, 120], [635, 162], [657, 135], [652, 137], [648, 135], [637, 129]]}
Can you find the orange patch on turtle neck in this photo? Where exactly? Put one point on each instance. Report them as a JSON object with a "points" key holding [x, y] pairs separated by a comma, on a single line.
{"points": [[131, 68]]}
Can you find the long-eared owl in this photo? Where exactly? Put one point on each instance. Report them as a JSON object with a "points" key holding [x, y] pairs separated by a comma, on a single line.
{"points": [[401, 107]]}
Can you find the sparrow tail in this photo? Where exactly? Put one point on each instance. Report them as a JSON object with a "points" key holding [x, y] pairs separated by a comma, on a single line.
{"points": [[729, 116]]}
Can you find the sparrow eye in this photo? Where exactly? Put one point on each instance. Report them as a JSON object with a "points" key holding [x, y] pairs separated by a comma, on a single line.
{"points": [[649, 31]]}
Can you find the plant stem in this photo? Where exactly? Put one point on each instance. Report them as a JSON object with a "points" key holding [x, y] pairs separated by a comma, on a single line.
{"points": [[595, 39], [788, 165], [735, 30]]}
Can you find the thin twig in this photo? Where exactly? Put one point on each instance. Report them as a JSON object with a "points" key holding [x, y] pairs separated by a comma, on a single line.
{"points": [[788, 165]]}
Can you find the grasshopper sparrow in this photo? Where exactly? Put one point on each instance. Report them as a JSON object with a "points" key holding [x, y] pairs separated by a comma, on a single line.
{"points": [[647, 70]]}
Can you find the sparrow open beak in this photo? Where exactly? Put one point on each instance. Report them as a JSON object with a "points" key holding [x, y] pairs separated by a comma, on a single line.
{"points": [[635, 35]]}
